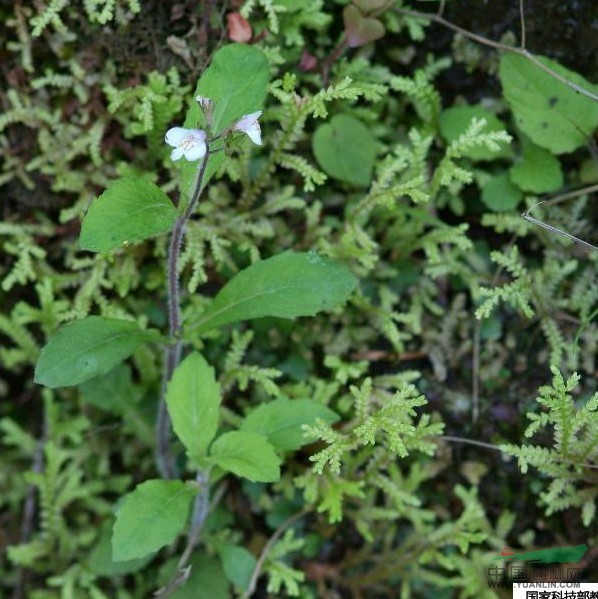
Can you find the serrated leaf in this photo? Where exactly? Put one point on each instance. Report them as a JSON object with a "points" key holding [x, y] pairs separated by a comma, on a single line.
{"points": [[150, 517], [100, 560], [500, 195], [281, 421], [345, 149], [131, 210], [454, 122], [538, 171], [246, 454], [550, 113], [286, 286], [193, 398], [238, 565], [87, 348]]}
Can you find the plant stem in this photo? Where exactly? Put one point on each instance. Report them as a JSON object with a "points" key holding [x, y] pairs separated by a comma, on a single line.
{"points": [[172, 356]]}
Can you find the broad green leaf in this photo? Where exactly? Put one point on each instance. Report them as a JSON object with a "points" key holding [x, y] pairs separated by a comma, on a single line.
{"points": [[193, 398], [150, 517], [538, 171], [207, 579], [112, 391], [116, 392], [550, 113], [236, 81], [281, 421], [455, 121], [346, 149], [246, 454], [500, 195], [286, 286], [87, 348], [130, 210], [238, 565], [100, 560]]}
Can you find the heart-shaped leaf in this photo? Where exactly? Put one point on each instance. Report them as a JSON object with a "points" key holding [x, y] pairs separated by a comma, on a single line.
{"points": [[361, 30], [346, 149]]}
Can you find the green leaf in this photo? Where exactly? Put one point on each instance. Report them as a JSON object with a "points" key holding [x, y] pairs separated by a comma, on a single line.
{"points": [[86, 348], [112, 391], [193, 398], [549, 112], [207, 579], [236, 81], [100, 560], [287, 285], [281, 421], [500, 195], [150, 517], [238, 565], [346, 149], [115, 392], [246, 454], [455, 121], [538, 171], [130, 210]]}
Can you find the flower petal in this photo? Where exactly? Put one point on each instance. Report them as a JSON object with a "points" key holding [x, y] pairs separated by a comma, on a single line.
{"points": [[177, 153], [175, 136], [255, 134], [195, 151], [247, 120]]}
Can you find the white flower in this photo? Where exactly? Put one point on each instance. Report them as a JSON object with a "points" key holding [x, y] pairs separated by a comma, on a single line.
{"points": [[190, 143], [248, 124]]}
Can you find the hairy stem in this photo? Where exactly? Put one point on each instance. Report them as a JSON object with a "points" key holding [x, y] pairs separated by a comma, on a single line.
{"points": [[172, 356]]}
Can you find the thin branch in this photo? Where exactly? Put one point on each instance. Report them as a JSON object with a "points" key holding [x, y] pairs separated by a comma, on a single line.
{"points": [[556, 200], [452, 439], [172, 357], [522, 21], [497, 45], [267, 548]]}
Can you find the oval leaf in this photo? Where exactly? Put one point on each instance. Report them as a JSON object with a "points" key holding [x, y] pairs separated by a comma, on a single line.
{"points": [[500, 195], [130, 210], [86, 348], [281, 421], [549, 112], [236, 81], [538, 171], [238, 565], [150, 517], [286, 286], [455, 121], [346, 149], [193, 399], [246, 454]]}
